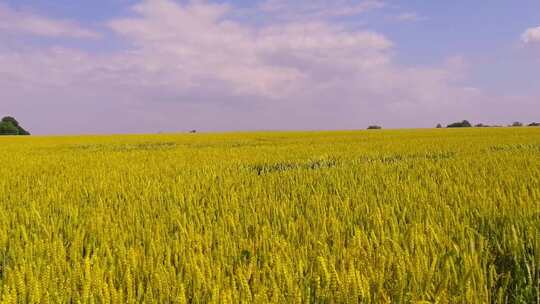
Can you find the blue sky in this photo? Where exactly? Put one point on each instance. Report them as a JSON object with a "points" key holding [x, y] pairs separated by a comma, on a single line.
{"points": [[166, 65]]}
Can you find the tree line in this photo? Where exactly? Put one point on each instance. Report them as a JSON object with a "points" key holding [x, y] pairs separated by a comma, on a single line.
{"points": [[467, 124], [10, 126]]}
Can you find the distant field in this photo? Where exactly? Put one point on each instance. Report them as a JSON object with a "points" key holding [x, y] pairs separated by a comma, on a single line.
{"points": [[409, 216]]}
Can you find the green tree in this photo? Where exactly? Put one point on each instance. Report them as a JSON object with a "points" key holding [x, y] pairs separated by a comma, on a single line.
{"points": [[517, 124], [8, 124], [463, 124], [7, 128]]}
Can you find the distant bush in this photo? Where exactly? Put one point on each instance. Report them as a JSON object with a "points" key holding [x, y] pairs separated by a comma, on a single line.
{"points": [[517, 124], [439, 126], [463, 124], [374, 128], [480, 125], [7, 128], [534, 124], [10, 126]]}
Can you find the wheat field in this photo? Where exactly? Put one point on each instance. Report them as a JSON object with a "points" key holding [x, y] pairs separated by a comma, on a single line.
{"points": [[408, 216]]}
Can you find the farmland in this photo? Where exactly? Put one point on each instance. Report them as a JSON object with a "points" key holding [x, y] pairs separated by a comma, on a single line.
{"points": [[408, 216]]}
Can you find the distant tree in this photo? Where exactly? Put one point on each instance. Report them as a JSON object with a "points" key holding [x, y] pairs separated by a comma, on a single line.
{"points": [[374, 127], [439, 126], [7, 128], [463, 124], [193, 131], [481, 125], [466, 124], [534, 124], [9, 121], [517, 124]]}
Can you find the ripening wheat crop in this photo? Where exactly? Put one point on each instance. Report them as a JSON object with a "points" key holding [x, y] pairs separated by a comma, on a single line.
{"points": [[415, 216]]}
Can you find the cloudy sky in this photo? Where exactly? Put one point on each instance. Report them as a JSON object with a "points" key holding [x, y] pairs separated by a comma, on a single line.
{"points": [[132, 66]]}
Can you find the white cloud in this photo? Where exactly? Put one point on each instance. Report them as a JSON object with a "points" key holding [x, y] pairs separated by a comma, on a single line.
{"points": [[531, 35], [191, 66], [16, 21], [312, 9], [197, 41]]}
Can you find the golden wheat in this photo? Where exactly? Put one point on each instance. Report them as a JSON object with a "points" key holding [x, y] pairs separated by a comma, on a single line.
{"points": [[413, 216]]}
